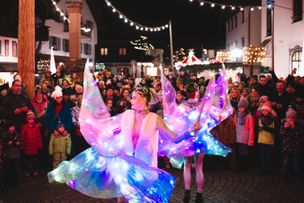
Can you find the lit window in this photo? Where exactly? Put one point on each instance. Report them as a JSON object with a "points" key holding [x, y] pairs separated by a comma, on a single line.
{"points": [[15, 49], [103, 51], [122, 51], [6, 44]]}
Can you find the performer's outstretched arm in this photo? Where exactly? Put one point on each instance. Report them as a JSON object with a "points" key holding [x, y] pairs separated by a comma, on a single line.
{"points": [[164, 130]]}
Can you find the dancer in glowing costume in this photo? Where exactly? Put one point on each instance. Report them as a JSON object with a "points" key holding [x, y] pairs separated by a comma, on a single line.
{"points": [[210, 116], [123, 157]]}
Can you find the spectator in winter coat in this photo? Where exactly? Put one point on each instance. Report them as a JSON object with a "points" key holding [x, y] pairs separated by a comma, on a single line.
{"points": [[244, 122], [292, 132], [12, 144], [266, 123], [32, 143], [60, 145]]}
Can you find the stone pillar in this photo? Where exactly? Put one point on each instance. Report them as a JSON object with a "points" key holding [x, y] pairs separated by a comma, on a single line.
{"points": [[26, 44], [74, 12]]}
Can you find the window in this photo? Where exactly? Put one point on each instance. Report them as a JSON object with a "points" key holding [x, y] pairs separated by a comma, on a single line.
{"points": [[243, 16], [235, 21], [243, 41], [87, 49], [1, 48], [54, 42], [228, 25], [269, 22], [296, 60], [297, 10], [236, 44], [122, 51], [6, 44], [231, 23], [15, 49], [103, 51], [65, 45]]}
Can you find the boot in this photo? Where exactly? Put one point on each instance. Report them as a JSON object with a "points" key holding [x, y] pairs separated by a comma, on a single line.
{"points": [[199, 198], [187, 196]]}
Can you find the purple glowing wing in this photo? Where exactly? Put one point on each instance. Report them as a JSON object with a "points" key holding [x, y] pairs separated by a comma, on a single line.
{"points": [[221, 107], [169, 96], [96, 124]]}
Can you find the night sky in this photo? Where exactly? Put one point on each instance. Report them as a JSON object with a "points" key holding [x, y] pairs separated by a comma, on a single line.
{"points": [[192, 25]]}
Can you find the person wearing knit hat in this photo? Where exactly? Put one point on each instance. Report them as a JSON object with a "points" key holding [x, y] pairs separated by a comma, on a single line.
{"points": [[57, 92], [60, 145], [244, 123], [58, 110], [243, 103], [291, 132], [32, 143], [266, 135]]}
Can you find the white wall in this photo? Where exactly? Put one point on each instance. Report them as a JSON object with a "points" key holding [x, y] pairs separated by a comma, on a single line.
{"points": [[242, 30], [287, 35], [10, 58], [56, 30]]}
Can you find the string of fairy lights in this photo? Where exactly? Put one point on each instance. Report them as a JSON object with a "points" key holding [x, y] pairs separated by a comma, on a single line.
{"points": [[134, 24], [229, 6], [65, 18]]}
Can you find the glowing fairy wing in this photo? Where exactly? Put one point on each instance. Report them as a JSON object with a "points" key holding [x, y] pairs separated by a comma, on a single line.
{"points": [[182, 119], [96, 124], [169, 96], [221, 107]]}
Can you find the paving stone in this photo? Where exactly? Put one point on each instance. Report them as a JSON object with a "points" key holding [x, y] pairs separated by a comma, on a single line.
{"points": [[220, 186]]}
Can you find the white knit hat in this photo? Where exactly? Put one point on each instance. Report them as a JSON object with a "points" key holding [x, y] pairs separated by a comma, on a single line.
{"points": [[57, 92]]}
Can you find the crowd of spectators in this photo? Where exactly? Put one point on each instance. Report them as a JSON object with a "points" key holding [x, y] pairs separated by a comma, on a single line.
{"points": [[266, 130]]}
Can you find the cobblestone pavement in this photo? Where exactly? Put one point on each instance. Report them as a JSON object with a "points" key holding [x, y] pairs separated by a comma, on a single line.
{"points": [[220, 186]]}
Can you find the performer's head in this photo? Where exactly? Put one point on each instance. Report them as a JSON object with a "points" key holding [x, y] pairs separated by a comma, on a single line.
{"points": [[192, 90], [140, 98]]}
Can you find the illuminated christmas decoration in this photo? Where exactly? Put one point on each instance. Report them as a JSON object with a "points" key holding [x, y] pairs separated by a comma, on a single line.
{"points": [[222, 56], [253, 54], [136, 25], [142, 44]]}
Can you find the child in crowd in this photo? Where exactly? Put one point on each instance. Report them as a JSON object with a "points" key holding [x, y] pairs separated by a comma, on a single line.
{"points": [[266, 123], [292, 132], [60, 145], [32, 143], [12, 145], [244, 122]]}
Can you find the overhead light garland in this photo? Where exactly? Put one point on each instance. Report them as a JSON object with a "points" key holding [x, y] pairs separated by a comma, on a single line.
{"points": [[65, 18], [136, 25], [229, 6]]}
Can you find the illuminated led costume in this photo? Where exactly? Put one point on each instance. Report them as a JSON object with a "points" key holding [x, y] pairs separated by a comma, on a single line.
{"points": [[112, 167]]}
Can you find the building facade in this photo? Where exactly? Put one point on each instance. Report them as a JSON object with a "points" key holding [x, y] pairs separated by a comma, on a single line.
{"points": [[283, 22], [59, 34], [242, 29]]}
